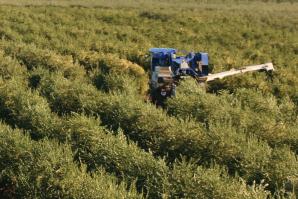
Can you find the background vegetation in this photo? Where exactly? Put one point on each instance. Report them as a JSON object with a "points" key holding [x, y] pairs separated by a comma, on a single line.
{"points": [[75, 123]]}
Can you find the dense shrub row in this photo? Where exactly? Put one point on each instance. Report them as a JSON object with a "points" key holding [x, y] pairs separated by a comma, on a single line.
{"points": [[46, 169], [27, 110], [229, 129], [97, 147], [282, 84], [128, 33], [163, 135], [92, 144], [207, 181], [35, 115], [32, 57], [108, 63], [246, 109], [157, 178], [108, 71], [11, 68], [119, 33]]}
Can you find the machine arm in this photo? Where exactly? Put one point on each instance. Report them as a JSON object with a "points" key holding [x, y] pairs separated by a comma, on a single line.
{"points": [[261, 67]]}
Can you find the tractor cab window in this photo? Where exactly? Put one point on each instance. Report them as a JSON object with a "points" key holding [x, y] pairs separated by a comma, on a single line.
{"points": [[155, 61], [160, 60]]}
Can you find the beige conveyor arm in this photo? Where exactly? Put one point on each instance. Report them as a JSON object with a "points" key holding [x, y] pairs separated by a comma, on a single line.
{"points": [[265, 67]]}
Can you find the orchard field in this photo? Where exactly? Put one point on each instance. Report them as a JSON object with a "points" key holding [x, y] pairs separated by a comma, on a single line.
{"points": [[75, 122]]}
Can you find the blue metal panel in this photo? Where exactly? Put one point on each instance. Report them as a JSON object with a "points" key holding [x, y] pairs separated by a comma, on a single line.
{"points": [[204, 59], [162, 50]]}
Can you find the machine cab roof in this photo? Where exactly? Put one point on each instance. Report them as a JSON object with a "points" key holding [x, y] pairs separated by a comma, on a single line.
{"points": [[162, 51]]}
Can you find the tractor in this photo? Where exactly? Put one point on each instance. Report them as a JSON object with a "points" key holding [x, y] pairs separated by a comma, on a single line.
{"points": [[167, 69]]}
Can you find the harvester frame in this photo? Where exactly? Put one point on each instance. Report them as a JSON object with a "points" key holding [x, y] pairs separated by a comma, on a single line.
{"points": [[167, 69]]}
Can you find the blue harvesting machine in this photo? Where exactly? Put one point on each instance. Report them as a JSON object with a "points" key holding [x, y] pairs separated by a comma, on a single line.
{"points": [[167, 69]]}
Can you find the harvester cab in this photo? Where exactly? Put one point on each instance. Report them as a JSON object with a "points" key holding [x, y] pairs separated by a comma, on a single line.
{"points": [[167, 69]]}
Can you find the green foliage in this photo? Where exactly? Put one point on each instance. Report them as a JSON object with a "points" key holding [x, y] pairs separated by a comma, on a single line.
{"points": [[93, 145], [32, 57], [66, 96], [10, 68], [51, 55], [165, 135], [98, 147], [111, 72], [190, 177], [45, 169], [115, 82], [246, 110], [243, 112], [281, 160], [27, 110]]}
